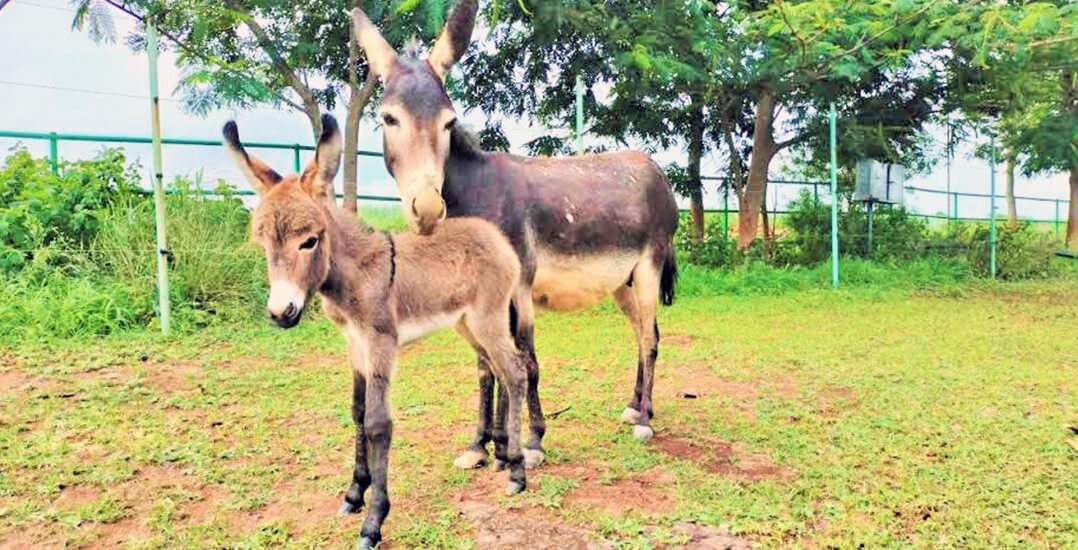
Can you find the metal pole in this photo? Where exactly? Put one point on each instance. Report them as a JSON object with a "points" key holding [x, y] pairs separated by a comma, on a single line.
{"points": [[834, 197], [54, 152], [950, 153], [579, 115], [726, 211], [158, 176], [1057, 219], [992, 209], [295, 157], [956, 207], [869, 229]]}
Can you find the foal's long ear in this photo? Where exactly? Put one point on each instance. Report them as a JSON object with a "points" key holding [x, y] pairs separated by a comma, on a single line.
{"points": [[380, 54], [455, 37], [261, 176], [319, 174]]}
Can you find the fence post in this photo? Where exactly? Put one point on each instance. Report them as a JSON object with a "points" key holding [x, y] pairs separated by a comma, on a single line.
{"points": [[1056, 225], [955, 217], [579, 115], [158, 184], [54, 152], [992, 209], [295, 157], [726, 211], [834, 198]]}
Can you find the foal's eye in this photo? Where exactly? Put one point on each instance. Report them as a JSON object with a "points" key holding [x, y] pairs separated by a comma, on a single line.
{"points": [[449, 125], [309, 243], [389, 119]]}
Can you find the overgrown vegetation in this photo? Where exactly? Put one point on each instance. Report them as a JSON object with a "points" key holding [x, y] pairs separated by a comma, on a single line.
{"points": [[901, 244], [79, 250]]}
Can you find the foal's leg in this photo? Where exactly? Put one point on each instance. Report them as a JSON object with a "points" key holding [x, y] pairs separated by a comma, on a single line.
{"points": [[361, 477], [378, 427], [646, 291], [524, 335], [490, 334], [626, 301], [476, 455]]}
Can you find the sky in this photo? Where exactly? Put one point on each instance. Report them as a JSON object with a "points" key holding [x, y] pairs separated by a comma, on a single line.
{"points": [[53, 79]]}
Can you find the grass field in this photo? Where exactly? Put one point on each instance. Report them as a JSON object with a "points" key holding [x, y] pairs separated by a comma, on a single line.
{"points": [[863, 417]]}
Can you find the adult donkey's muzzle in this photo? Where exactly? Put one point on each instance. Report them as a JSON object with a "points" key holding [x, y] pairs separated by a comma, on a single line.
{"points": [[428, 209]]}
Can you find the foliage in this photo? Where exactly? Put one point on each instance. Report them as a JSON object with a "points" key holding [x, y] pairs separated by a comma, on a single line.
{"points": [[1022, 252], [39, 208]]}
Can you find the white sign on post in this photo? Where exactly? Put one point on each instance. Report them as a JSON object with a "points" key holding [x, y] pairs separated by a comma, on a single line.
{"points": [[878, 182]]}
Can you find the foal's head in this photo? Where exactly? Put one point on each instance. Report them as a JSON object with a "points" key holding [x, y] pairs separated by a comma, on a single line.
{"points": [[416, 111], [291, 220]]}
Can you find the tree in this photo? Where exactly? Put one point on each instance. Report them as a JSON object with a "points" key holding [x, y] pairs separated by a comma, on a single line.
{"points": [[242, 53]]}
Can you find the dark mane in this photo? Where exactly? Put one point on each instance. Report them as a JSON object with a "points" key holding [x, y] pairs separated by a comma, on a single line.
{"points": [[464, 143]]}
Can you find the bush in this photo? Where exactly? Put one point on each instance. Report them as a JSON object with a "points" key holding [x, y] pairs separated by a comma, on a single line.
{"points": [[1022, 252], [715, 250], [895, 233], [38, 207]]}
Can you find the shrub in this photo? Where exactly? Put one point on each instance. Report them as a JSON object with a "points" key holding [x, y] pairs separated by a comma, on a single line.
{"points": [[38, 207], [1022, 252]]}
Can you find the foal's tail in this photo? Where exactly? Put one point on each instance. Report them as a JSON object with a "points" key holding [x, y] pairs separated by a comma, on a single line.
{"points": [[669, 277]]}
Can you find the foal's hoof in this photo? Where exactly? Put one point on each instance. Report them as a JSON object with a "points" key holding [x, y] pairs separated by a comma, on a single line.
{"points": [[642, 433], [500, 464], [533, 458], [630, 415], [367, 542], [349, 508], [471, 460], [514, 488]]}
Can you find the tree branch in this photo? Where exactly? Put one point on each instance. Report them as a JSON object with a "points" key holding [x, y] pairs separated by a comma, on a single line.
{"points": [[188, 49], [310, 105]]}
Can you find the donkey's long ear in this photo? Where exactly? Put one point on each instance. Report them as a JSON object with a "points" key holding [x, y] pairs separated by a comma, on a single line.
{"points": [[319, 174], [261, 176], [380, 54], [455, 37]]}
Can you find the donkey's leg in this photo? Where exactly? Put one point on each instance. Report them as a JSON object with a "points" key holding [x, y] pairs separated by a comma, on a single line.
{"points": [[378, 426], [524, 334], [509, 367], [361, 477], [646, 291], [476, 455], [626, 301]]}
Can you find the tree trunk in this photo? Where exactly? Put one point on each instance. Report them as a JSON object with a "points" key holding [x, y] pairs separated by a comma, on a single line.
{"points": [[737, 172], [696, 151], [763, 149], [1070, 103], [768, 232], [360, 96], [1012, 205]]}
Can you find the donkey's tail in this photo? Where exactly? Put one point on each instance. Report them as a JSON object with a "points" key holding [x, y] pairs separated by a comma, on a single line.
{"points": [[669, 277]]}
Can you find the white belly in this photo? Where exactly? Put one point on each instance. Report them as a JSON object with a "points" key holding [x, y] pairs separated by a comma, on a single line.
{"points": [[564, 282], [413, 329]]}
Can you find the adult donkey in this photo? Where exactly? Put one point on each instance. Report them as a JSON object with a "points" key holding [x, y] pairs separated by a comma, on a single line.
{"points": [[585, 227]]}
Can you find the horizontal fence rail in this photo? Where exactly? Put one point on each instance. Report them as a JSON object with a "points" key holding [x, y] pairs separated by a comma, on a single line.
{"points": [[729, 202]]}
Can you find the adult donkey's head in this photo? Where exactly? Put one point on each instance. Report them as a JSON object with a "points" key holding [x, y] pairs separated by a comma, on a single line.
{"points": [[416, 111]]}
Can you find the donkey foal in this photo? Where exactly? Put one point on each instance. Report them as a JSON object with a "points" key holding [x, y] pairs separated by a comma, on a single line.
{"points": [[383, 291]]}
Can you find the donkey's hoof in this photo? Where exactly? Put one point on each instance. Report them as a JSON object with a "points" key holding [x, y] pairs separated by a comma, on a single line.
{"points": [[630, 415], [533, 458], [367, 542], [349, 508], [514, 488], [500, 464], [471, 460], [642, 433]]}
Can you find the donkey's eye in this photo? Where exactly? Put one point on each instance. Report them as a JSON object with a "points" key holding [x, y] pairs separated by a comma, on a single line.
{"points": [[449, 125], [389, 119], [309, 243]]}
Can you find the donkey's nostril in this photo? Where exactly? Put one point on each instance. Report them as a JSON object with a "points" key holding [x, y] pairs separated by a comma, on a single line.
{"points": [[289, 311]]}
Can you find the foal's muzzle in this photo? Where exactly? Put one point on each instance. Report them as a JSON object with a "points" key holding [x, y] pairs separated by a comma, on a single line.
{"points": [[287, 318]]}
